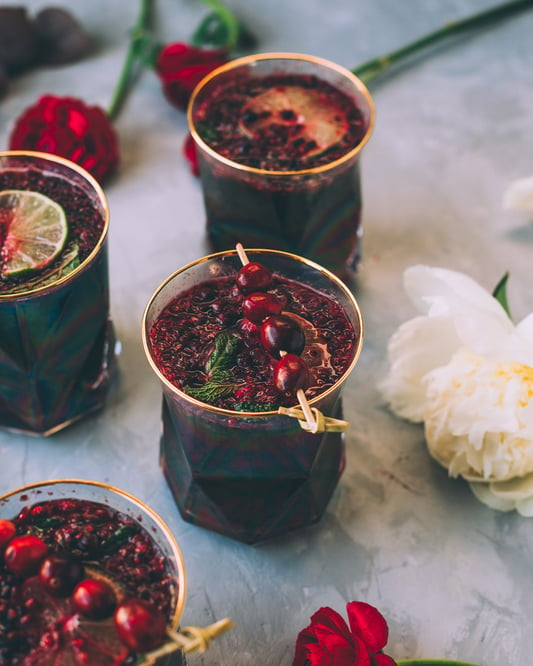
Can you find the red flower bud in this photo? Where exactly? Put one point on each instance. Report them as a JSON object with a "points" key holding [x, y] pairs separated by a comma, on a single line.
{"points": [[181, 67], [191, 153], [69, 128]]}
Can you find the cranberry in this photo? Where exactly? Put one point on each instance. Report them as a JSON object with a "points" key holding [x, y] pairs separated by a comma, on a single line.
{"points": [[7, 532], [259, 305], [282, 333], [94, 598], [24, 554], [291, 374], [59, 575], [253, 276], [140, 625]]}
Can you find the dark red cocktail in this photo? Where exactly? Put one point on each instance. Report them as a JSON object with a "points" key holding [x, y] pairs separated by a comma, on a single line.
{"points": [[279, 138], [234, 449], [57, 344], [77, 552]]}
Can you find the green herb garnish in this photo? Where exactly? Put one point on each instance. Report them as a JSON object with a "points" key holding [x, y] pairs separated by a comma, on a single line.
{"points": [[218, 368], [118, 538]]}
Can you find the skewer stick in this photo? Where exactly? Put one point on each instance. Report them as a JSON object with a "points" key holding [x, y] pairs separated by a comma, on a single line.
{"points": [[189, 639], [242, 254], [302, 399]]}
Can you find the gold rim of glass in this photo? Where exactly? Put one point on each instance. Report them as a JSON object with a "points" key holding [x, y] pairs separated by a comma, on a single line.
{"points": [[238, 62], [138, 504], [91, 180], [230, 412]]}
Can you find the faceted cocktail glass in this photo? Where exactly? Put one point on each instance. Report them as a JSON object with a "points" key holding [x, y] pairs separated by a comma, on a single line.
{"points": [[313, 212], [92, 491], [57, 343], [248, 475]]}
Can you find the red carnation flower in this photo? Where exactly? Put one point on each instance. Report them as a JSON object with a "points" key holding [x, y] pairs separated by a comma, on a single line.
{"points": [[69, 128], [180, 67], [328, 641]]}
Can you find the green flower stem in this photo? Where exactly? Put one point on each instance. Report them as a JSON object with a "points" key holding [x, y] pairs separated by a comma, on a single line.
{"points": [[432, 662], [227, 19], [138, 38], [372, 68]]}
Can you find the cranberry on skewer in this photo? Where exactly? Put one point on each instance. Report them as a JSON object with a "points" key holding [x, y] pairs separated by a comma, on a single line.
{"points": [[259, 305], [291, 374]]}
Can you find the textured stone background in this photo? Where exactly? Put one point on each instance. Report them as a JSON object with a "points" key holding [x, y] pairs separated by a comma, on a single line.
{"points": [[453, 578]]}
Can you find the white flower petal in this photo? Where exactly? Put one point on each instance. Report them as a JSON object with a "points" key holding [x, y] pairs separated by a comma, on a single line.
{"points": [[484, 494], [520, 488], [519, 195], [417, 347], [480, 321], [525, 507], [478, 417], [520, 343]]}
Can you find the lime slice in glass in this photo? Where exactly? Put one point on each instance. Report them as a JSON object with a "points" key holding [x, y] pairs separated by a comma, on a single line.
{"points": [[35, 231], [320, 123]]}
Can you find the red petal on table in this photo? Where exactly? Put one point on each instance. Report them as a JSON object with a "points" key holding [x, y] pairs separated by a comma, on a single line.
{"points": [[369, 624]]}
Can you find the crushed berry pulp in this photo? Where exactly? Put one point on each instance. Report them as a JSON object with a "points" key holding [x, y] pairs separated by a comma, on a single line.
{"points": [[186, 333], [277, 122], [85, 222], [37, 628]]}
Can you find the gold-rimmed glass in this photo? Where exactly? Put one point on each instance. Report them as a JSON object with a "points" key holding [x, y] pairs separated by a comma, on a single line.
{"points": [[249, 475], [57, 346], [313, 212], [110, 496]]}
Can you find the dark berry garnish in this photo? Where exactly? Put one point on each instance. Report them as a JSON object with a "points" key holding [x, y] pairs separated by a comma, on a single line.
{"points": [[94, 598], [24, 554], [60, 574], [60, 36], [17, 40], [7, 532], [282, 333], [259, 305], [139, 625], [253, 276], [291, 374]]}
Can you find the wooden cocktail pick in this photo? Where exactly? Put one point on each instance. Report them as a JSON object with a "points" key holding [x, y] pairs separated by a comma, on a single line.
{"points": [[189, 639], [312, 423]]}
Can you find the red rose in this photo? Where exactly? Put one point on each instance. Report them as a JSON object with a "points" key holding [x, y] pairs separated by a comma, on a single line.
{"points": [[69, 128], [180, 67], [328, 641]]}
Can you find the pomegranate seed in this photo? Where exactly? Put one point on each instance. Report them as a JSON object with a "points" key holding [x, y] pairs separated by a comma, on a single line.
{"points": [[282, 333], [140, 626], [291, 374], [253, 276], [94, 598], [24, 554]]}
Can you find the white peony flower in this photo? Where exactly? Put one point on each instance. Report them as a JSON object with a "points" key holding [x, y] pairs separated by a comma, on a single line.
{"points": [[466, 371], [519, 195]]}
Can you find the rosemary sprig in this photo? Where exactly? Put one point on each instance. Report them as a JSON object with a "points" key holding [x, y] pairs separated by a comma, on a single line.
{"points": [[218, 368]]}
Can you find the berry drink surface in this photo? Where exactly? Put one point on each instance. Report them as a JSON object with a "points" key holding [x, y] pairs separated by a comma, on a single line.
{"points": [[281, 122], [85, 224], [192, 327], [37, 627]]}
